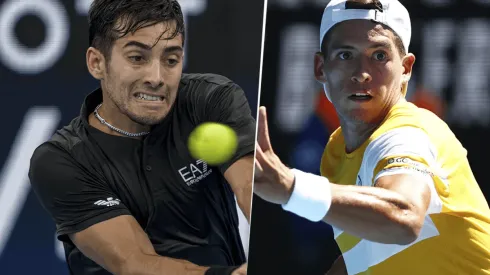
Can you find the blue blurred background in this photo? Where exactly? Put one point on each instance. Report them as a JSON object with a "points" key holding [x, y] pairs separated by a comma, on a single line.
{"points": [[450, 39], [44, 80]]}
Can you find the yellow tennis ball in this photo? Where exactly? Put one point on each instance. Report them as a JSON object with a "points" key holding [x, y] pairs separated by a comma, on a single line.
{"points": [[212, 142]]}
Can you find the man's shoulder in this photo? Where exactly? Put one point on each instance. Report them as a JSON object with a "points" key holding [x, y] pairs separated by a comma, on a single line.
{"points": [[69, 136], [208, 79], [62, 143], [67, 151], [411, 130], [408, 115], [48, 159], [199, 87]]}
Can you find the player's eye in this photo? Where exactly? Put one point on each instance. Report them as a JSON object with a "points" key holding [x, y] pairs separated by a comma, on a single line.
{"points": [[136, 58], [172, 61], [344, 55], [380, 56]]}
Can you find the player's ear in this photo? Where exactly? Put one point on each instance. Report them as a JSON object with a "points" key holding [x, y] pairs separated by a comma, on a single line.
{"points": [[407, 62], [95, 63], [319, 64]]}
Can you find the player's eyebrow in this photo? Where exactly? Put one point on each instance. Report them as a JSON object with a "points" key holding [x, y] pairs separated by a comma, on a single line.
{"points": [[173, 49], [137, 44], [144, 46], [382, 44]]}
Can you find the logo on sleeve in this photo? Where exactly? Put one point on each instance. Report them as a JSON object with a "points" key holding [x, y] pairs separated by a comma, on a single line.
{"points": [[194, 173], [108, 202], [401, 160], [407, 163]]}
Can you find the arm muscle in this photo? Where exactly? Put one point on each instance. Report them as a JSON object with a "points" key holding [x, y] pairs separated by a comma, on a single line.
{"points": [[391, 212], [240, 176], [121, 246]]}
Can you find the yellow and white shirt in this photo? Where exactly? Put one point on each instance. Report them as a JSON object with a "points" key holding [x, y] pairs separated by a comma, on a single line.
{"points": [[455, 238]]}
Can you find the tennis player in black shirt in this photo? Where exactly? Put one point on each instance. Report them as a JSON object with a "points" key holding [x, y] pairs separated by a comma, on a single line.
{"points": [[119, 182]]}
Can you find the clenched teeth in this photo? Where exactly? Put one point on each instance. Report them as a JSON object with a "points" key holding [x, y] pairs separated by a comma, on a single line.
{"points": [[149, 97]]}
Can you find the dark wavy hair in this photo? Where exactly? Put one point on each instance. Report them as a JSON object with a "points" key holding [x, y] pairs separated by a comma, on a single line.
{"points": [[110, 20]]}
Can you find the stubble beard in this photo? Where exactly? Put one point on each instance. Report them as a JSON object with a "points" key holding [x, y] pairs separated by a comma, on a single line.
{"points": [[123, 107], [144, 120]]}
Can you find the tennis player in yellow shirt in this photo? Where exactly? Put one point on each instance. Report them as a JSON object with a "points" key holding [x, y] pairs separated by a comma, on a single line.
{"points": [[396, 184]]}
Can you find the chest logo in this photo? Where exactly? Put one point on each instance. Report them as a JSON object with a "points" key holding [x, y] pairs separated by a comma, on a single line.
{"points": [[194, 173]]}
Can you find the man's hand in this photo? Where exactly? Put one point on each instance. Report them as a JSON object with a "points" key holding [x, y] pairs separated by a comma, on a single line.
{"points": [[242, 270], [273, 181]]}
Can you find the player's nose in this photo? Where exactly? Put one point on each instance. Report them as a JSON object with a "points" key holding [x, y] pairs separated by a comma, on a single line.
{"points": [[154, 77], [361, 72]]}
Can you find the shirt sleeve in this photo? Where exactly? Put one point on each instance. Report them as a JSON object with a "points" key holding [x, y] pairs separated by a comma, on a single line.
{"points": [[228, 104], [74, 198], [404, 150]]}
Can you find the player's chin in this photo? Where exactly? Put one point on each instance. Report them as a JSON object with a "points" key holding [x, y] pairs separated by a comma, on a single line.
{"points": [[142, 106], [149, 116], [149, 119]]}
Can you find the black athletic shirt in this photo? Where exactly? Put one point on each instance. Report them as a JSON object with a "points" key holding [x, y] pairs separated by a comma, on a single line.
{"points": [[83, 176]]}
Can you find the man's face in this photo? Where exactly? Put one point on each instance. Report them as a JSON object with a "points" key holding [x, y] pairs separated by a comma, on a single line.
{"points": [[363, 70], [141, 78]]}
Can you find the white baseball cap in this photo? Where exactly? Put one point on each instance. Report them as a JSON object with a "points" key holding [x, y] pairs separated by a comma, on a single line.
{"points": [[394, 15]]}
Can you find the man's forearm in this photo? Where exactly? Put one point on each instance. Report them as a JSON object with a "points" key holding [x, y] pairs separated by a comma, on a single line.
{"points": [[158, 265], [244, 200], [375, 214], [240, 178]]}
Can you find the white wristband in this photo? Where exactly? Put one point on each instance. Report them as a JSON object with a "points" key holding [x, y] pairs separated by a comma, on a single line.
{"points": [[311, 197]]}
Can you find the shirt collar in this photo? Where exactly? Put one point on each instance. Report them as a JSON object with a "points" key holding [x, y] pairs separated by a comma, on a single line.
{"points": [[89, 104]]}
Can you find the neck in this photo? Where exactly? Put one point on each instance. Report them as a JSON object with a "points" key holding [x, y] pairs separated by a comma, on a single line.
{"points": [[356, 133], [113, 116]]}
